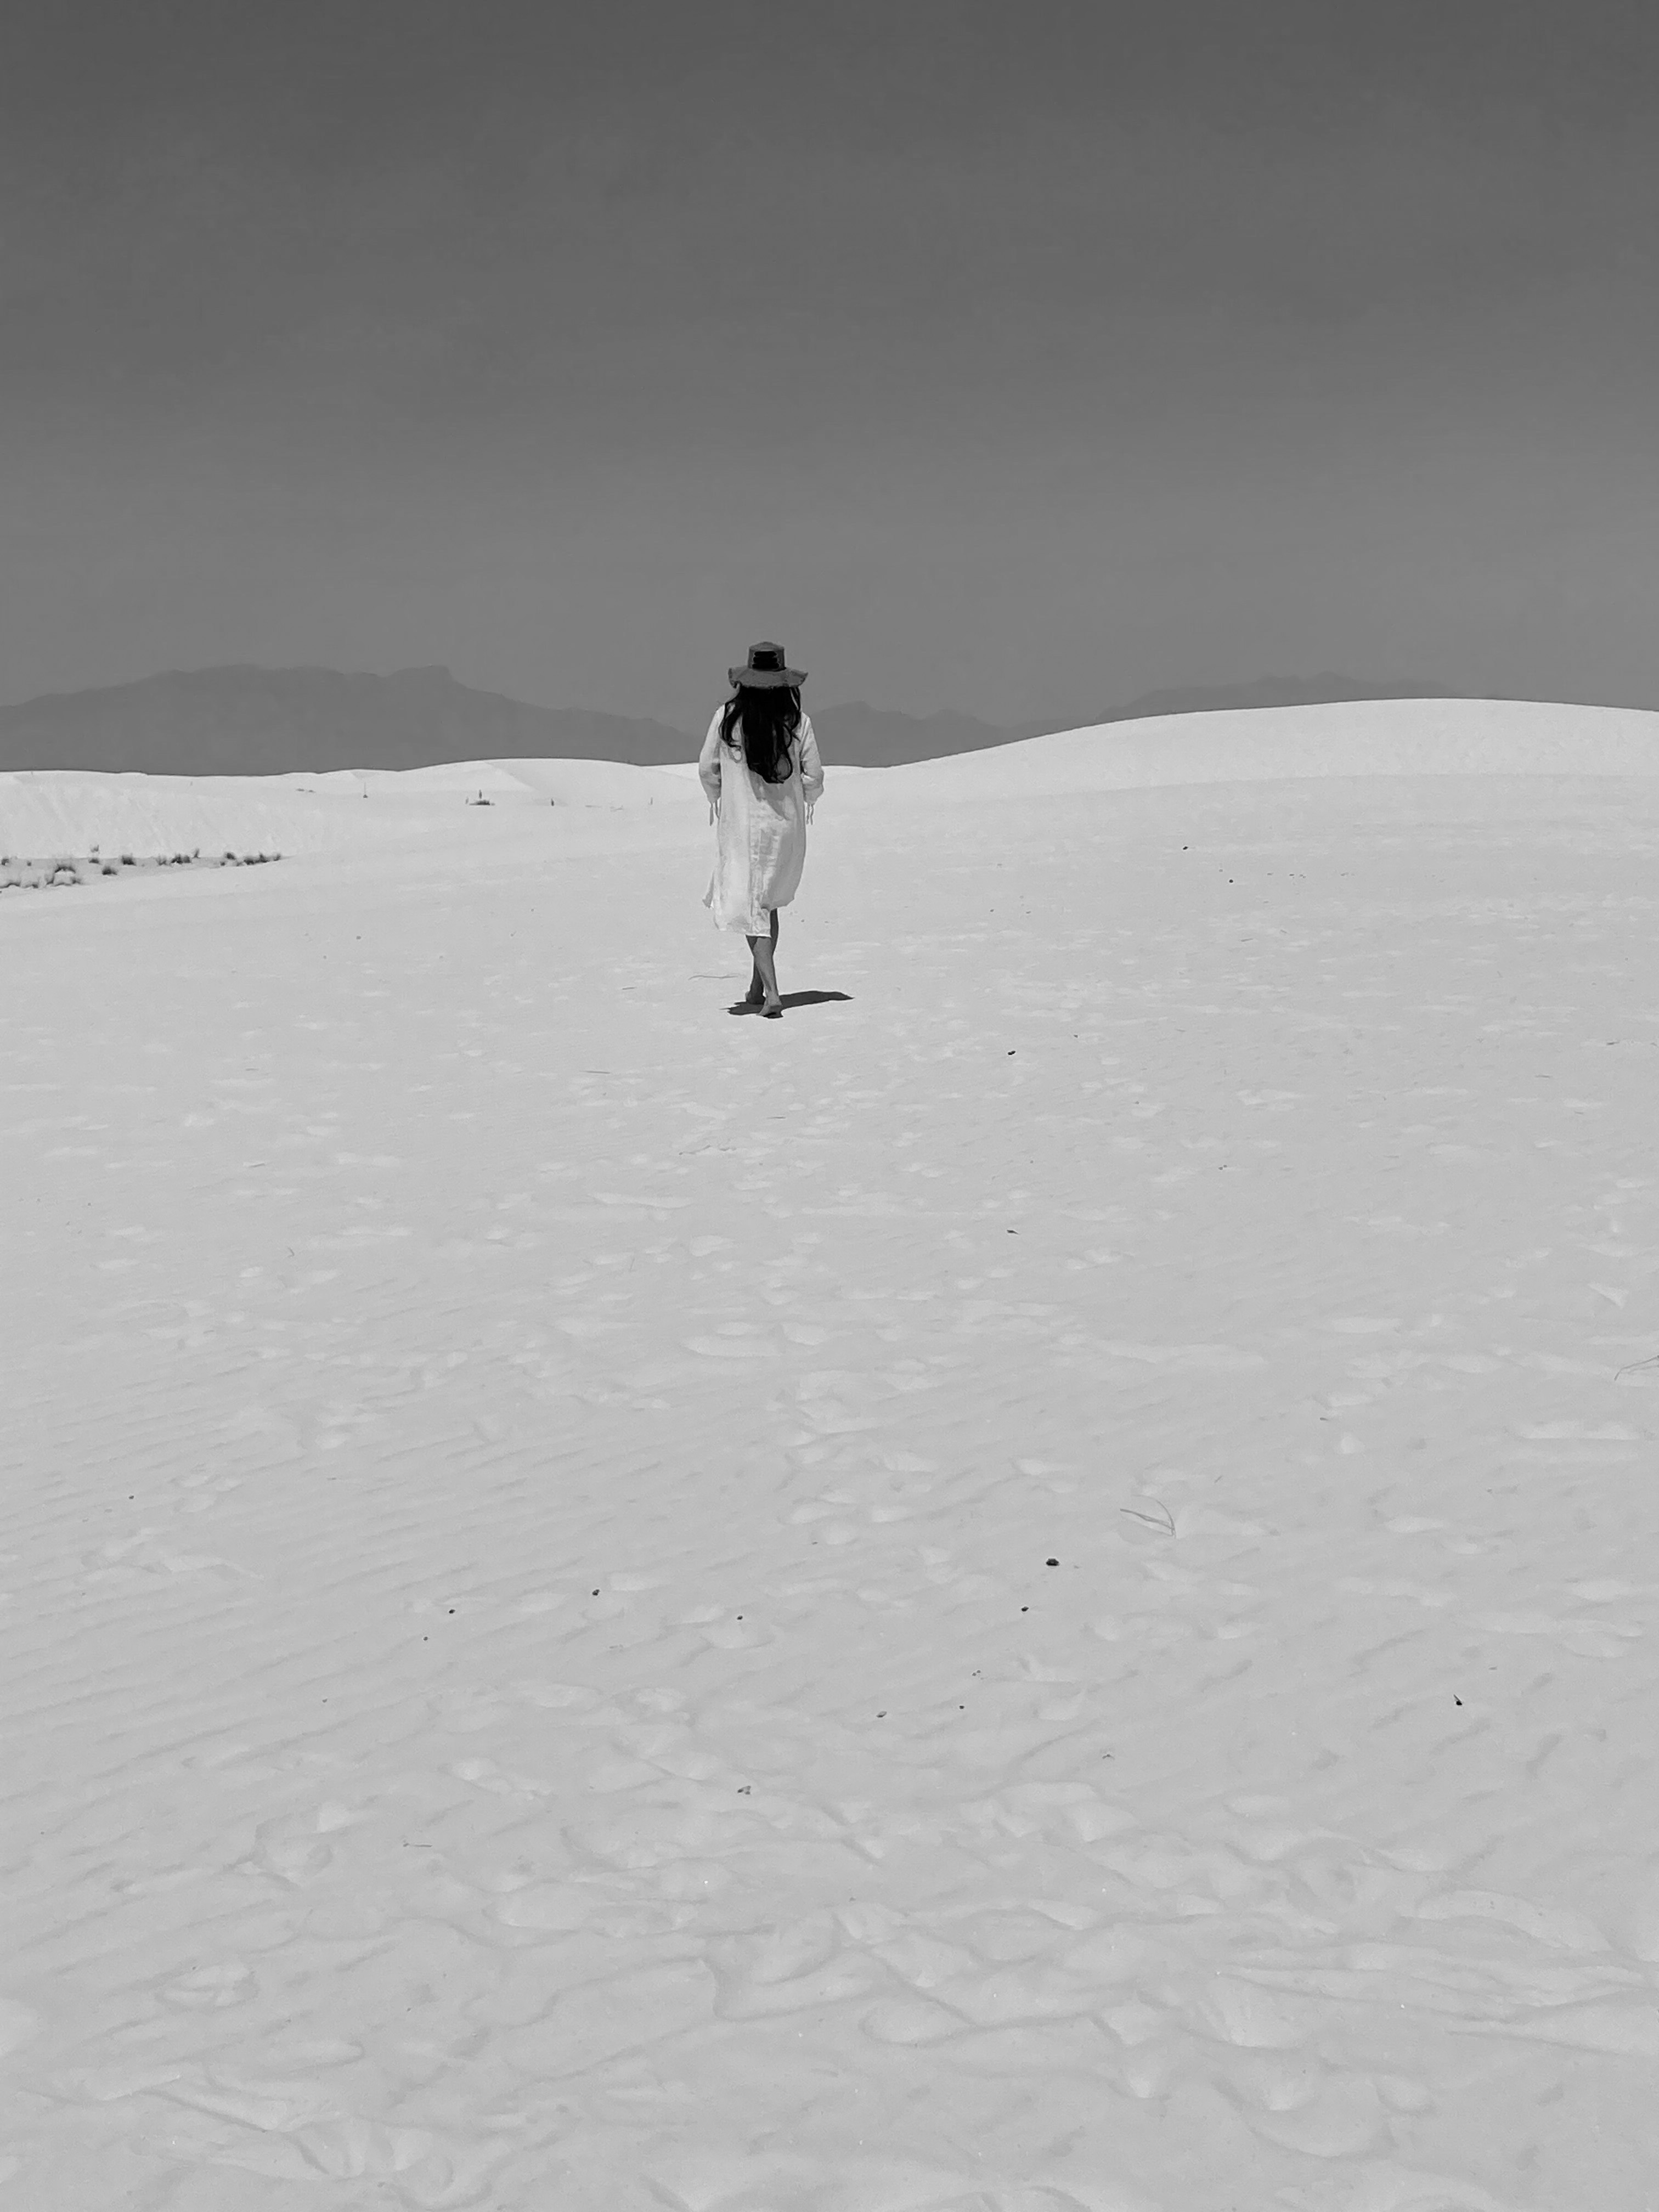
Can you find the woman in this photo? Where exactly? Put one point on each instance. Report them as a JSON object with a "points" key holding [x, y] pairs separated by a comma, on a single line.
{"points": [[760, 767]]}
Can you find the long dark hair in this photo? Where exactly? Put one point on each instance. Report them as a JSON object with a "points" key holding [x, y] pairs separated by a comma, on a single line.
{"points": [[768, 718]]}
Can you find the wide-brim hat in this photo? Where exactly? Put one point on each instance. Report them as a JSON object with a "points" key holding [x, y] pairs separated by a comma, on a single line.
{"points": [[767, 669]]}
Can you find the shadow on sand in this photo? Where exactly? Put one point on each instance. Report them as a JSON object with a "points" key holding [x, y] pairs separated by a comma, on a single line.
{"points": [[790, 998]]}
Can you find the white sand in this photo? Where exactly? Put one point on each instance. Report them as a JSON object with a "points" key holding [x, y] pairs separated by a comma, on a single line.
{"points": [[533, 1673], [52, 811]]}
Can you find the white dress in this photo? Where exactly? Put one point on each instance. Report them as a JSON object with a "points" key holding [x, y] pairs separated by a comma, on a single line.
{"points": [[761, 848]]}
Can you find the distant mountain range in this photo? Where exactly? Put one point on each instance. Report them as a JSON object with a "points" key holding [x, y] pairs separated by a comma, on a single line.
{"points": [[271, 721]]}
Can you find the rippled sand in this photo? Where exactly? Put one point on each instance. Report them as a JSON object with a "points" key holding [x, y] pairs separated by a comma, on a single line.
{"points": [[1031, 1589]]}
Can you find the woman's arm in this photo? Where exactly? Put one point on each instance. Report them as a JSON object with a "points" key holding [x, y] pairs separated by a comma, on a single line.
{"points": [[708, 764], [811, 767]]}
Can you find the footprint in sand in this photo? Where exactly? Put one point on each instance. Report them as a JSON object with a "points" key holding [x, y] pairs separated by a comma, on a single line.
{"points": [[827, 1413], [1235, 2012], [204, 1493], [1280, 2085], [1585, 1639], [291, 1848], [539, 1601], [1625, 2031], [735, 1340], [1214, 1358], [123, 1561], [210, 1989], [733, 2182], [354, 2150], [484, 1774], [1564, 1930], [843, 1975], [1343, 2119], [547, 1907], [910, 2020], [18, 2025], [269, 2106]]}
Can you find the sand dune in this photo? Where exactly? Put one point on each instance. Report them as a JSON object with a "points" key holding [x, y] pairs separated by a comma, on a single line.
{"points": [[45, 812], [73, 810], [1194, 1293], [1354, 738]]}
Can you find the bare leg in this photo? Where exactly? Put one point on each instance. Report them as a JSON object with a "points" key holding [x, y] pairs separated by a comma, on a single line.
{"points": [[766, 973]]}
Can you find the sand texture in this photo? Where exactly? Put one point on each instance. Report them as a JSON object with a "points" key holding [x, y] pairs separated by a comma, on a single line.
{"points": [[1031, 1590]]}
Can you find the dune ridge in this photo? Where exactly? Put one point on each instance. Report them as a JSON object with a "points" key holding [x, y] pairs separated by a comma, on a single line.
{"points": [[47, 812]]}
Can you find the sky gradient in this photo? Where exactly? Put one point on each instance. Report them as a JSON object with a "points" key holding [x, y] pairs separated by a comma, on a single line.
{"points": [[1015, 360]]}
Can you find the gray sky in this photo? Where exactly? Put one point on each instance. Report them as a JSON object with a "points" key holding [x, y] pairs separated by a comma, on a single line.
{"points": [[1013, 358]]}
